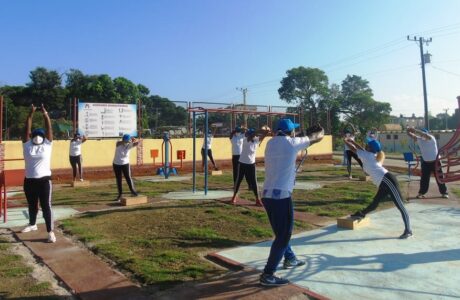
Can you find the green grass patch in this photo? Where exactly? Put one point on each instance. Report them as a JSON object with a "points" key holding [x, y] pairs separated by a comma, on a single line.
{"points": [[15, 279], [162, 244]]}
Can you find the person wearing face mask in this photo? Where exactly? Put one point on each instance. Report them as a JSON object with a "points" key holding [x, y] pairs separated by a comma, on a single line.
{"points": [[75, 155], [121, 163], [37, 146]]}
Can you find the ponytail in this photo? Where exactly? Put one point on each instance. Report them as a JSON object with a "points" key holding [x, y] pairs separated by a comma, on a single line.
{"points": [[380, 157]]}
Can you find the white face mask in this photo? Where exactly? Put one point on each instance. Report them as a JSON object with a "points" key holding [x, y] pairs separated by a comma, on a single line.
{"points": [[37, 140]]}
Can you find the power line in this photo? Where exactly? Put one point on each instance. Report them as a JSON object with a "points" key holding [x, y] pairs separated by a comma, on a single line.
{"points": [[445, 71]]}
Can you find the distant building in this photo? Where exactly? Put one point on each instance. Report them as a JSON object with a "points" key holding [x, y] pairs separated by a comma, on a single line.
{"points": [[413, 121]]}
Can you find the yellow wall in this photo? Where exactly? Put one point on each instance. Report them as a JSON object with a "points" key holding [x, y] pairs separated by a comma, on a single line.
{"points": [[98, 153]]}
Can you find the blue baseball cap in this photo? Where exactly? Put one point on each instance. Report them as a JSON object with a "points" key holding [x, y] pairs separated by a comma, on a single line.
{"points": [[250, 131], [286, 125], [374, 146], [126, 138], [38, 131], [238, 129], [425, 130]]}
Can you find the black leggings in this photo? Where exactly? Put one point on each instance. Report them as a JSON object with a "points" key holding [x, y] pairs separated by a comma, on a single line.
{"points": [[248, 171], [39, 189], [428, 167], [351, 154], [390, 187], [209, 155], [126, 170], [74, 162], [235, 163]]}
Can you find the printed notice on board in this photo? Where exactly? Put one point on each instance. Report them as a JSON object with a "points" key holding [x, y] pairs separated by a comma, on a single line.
{"points": [[107, 119]]}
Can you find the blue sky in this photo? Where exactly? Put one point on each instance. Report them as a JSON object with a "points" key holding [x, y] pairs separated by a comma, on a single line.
{"points": [[202, 50]]}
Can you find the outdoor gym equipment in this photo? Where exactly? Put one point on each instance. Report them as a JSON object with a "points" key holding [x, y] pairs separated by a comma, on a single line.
{"points": [[447, 168], [166, 154], [9, 178]]}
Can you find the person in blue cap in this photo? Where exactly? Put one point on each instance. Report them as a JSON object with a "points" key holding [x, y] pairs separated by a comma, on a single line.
{"points": [[247, 163], [37, 148], [372, 157], [75, 155], [429, 149], [236, 138], [280, 165], [121, 163]]}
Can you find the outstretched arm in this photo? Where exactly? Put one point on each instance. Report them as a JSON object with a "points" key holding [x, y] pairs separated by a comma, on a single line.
{"points": [[134, 141], [28, 127], [353, 145], [49, 129]]}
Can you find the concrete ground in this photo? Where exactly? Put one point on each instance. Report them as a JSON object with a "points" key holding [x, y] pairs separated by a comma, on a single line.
{"points": [[371, 262], [20, 216]]}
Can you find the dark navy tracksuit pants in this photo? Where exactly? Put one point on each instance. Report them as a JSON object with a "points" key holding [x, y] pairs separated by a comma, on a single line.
{"points": [[281, 216]]}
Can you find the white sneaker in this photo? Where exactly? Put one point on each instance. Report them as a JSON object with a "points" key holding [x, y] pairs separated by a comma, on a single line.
{"points": [[51, 237], [29, 228], [81, 179]]}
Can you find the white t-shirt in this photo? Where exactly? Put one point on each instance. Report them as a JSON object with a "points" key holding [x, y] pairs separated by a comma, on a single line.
{"points": [[208, 141], [280, 164], [37, 159], [122, 154], [248, 154], [75, 147], [371, 166], [237, 143], [429, 148], [351, 137]]}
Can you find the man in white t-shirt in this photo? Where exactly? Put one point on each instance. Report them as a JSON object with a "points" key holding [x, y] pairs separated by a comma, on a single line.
{"points": [[121, 163], [207, 142], [429, 149], [75, 155], [280, 164], [236, 138], [37, 147]]}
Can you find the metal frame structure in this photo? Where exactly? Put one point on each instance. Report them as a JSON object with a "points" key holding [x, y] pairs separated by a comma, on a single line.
{"points": [[200, 110]]}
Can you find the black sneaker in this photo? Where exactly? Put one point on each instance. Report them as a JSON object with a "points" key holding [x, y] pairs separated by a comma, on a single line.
{"points": [[358, 215], [406, 235], [292, 263], [134, 194], [118, 198], [272, 280]]}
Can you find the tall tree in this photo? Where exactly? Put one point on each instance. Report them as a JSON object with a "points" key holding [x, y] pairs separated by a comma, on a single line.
{"points": [[45, 87], [306, 88], [357, 105]]}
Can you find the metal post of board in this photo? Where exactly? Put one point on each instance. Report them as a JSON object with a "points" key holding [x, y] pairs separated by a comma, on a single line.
{"points": [[1, 119], [166, 143], [194, 153], [206, 152], [74, 116]]}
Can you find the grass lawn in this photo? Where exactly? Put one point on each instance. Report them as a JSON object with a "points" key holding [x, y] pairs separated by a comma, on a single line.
{"points": [[15, 279], [163, 243]]}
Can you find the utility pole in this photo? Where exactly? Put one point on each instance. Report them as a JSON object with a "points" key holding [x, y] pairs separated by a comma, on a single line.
{"points": [[245, 117], [422, 40], [446, 110]]}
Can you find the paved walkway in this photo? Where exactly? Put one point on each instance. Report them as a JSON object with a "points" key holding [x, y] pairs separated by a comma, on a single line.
{"points": [[372, 263]]}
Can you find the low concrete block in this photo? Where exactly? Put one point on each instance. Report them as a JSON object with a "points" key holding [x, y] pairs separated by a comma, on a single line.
{"points": [[216, 172], [364, 178], [80, 183], [353, 223], [127, 201]]}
